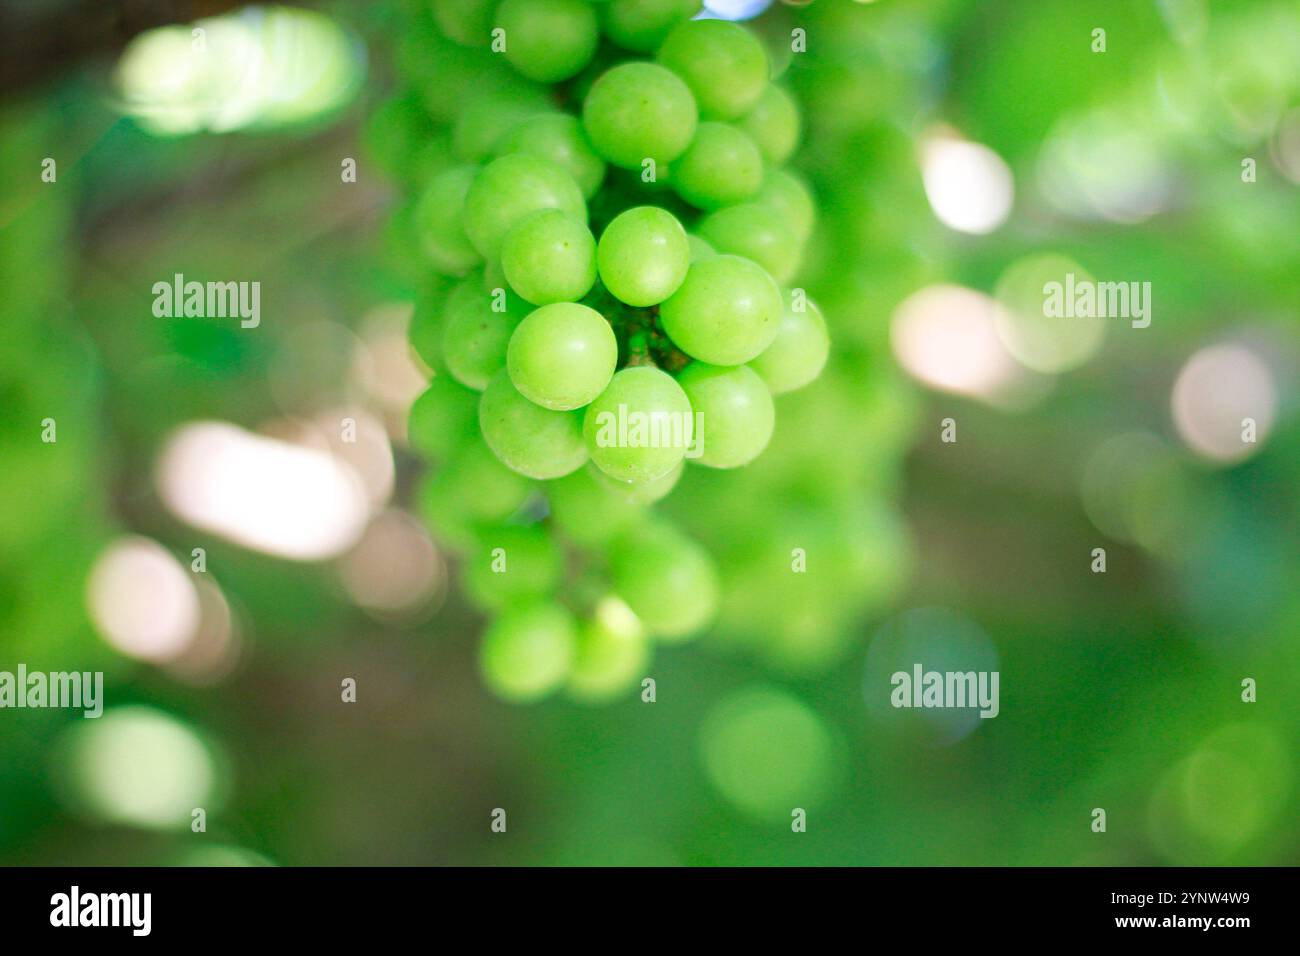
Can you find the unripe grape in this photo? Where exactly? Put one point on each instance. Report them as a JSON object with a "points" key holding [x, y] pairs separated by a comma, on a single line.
{"points": [[468, 22], [442, 417], [643, 255], [508, 189], [734, 409], [549, 256], [528, 651], [489, 116], [641, 25], [721, 166], [562, 355], [438, 220], [726, 311], [669, 581], [548, 40], [558, 137], [640, 427], [612, 653], [790, 197], [475, 336], [588, 509], [529, 439], [724, 65], [639, 111], [798, 353], [512, 563], [773, 124], [757, 232], [425, 328], [471, 487]]}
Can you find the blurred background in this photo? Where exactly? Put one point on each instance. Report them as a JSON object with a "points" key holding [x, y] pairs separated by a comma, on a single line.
{"points": [[962, 154]]}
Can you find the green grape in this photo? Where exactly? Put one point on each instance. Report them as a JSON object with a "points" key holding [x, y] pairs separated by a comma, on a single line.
{"points": [[773, 124], [425, 328], [532, 440], [558, 137], [508, 189], [723, 63], [642, 492], [757, 232], [789, 196], [639, 111], [699, 248], [475, 336], [612, 653], [548, 40], [470, 488], [395, 131], [588, 509], [640, 427], [641, 25], [668, 581], [721, 166], [438, 220], [442, 417], [528, 651], [549, 256], [735, 412], [468, 22], [562, 356], [512, 563], [489, 117], [798, 353], [726, 311], [643, 255]]}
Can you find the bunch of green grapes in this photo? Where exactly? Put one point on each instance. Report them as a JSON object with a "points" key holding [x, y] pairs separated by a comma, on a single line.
{"points": [[607, 236]]}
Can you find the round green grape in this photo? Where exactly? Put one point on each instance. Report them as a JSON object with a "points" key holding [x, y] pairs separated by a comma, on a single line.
{"points": [[724, 65], [588, 509], [438, 219], [788, 195], [528, 651], [726, 311], [559, 138], [548, 40], [721, 166], [612, 653], [425, 328], [734, 412], [511, 564], [773, 124], [442, 417], [489, 116], [799, 351], [757, 232], [668, 581], [641, 25], [639, 111], [643, 255], [529, 439], [468, 22], [471, 487], [549, 256], [640, 427], [562, 356], [475, 336], [508, 189]]}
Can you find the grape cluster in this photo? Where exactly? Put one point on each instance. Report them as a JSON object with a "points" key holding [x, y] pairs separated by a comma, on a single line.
{"points": [[605, 231]]}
